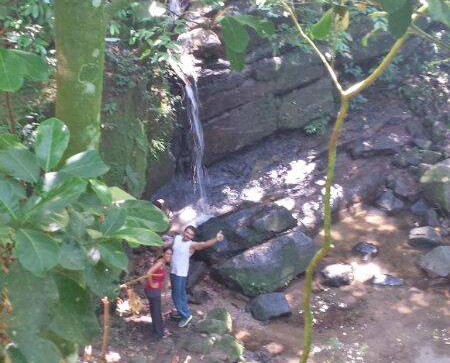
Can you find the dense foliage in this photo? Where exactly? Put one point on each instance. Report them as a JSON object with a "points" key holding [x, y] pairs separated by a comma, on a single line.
{"points": [[61, 243]]}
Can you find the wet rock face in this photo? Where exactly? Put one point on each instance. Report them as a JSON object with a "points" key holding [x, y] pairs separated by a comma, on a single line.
{"points": [[367, 251], [270, 306], [437, 262], [424, 237], [271, 94], [243, 229], [338, 274], [269, 266]]}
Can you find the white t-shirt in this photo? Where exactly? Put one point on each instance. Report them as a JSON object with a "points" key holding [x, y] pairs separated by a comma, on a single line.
{"points": [[180, 256]]}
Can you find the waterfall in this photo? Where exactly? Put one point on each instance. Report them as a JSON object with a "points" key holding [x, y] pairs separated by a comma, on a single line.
{"points": [[199, 142], [184, 67]]}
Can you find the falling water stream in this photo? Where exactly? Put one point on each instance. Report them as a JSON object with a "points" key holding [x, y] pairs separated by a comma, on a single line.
{"points": [[199, 142]]}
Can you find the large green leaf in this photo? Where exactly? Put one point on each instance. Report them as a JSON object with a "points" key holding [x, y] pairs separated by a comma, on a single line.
{"points": [[36, 251], [53, 221], [140, 236], [51, 141], [9, 196], [72, 256], [102, 191], [392, 6], [119, 195], [322, 28], [64, 195], [87, 164], [112, 254], [263, 27], [12, 70], [31, 297], [114, 220], [141, 213], [440, 11], [7, 140], [36, 349], [399, 21], [234, 34], [237, 60], [36, 68], [103, 280], [74, 318], [20, 163]]}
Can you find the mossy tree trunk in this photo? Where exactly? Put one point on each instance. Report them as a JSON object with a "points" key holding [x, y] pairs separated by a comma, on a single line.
{"points": [[80, 51]]}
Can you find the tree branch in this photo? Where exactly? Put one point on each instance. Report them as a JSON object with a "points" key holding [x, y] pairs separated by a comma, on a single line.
{"points": [[421, 33], [313, 45]]}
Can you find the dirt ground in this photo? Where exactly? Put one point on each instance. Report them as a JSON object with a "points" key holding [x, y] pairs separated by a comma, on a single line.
{"points": [[360, 323]]}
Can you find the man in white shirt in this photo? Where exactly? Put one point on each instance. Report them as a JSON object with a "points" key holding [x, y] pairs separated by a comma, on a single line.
{"points": [[183, 247]]}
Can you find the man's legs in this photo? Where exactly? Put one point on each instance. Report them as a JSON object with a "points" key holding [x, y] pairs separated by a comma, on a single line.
{"points": [[176, 292], [184, 308]]}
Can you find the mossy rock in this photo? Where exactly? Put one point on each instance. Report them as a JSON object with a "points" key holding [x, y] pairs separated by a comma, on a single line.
{"points": [[212, 326], [436, 184], [223, 315], [198, 344], [232, 347]]}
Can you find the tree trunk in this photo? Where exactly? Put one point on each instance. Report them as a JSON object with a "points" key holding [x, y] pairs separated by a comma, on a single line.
{"points": [[80, 52]]}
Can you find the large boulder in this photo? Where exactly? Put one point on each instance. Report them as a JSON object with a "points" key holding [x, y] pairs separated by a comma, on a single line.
{"points": [[437, 261], [243, 229], [269, 266], [269, 306], [436, 185], [424, 237]]}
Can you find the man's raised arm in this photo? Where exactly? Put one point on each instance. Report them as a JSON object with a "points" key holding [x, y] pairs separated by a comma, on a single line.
{"points": [[197, 246]]}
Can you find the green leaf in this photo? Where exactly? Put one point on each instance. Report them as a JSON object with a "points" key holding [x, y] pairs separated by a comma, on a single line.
{"points": [[87, 164], [237, 60], [31, 297], [399, 21], [74, 319], [119, 195], [5, 233], [103, 280], [114, 220], [9, 198], [36, 251], [72, 256], [12, 70], [54, 221], [263, 27], [36, 68], [7, 140], [57, 199], [140, 236], [391, 6], [439, 11], [102, 191], [113, 255], [322, 28], [36, 349], [234, 34], [51, 141], [141, 213], [20, 163]]}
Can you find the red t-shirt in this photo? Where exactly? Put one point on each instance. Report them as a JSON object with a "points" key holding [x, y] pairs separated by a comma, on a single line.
{"points": [[156, 281]]}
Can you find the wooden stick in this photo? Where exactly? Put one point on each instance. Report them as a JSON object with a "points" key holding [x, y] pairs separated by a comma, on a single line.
{"points": [[105, 340], [133, 281]]}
